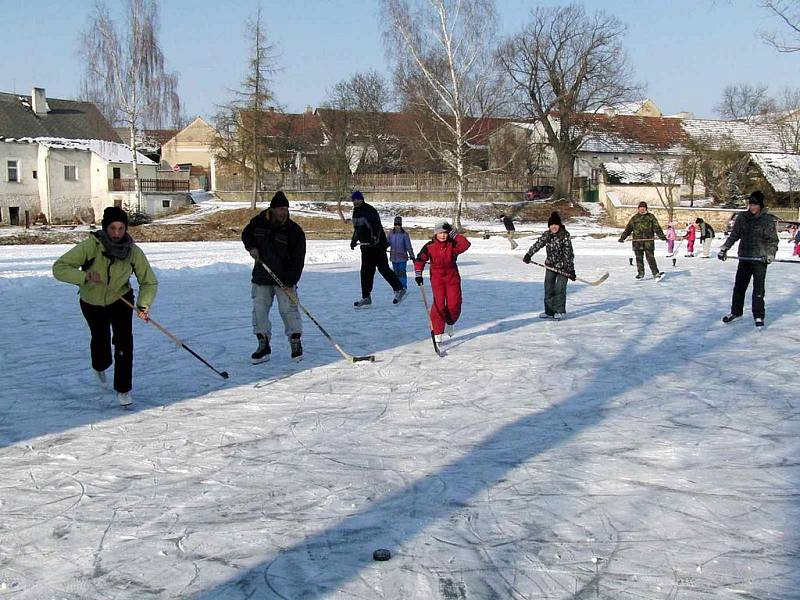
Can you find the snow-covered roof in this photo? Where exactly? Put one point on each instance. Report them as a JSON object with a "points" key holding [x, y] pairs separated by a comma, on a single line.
{"points": [[748, 137], [782, 171], [664, 172], [112, 152]]}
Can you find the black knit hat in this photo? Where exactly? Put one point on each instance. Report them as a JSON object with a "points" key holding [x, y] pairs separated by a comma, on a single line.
{"points": [[398, 220], [279, 199], [698, 221], [642, 204], [113, 214], [757, 197], [555, 219]]}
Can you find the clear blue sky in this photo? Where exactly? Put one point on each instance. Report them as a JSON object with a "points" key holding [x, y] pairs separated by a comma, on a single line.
{"points": [[684, 51]]}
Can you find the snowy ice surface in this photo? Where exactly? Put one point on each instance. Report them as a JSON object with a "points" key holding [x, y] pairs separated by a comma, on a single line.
{"points": [[638, 449]]}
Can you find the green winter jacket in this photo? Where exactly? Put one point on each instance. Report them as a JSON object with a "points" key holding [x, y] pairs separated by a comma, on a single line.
{"points": [[643, 227], [114, 274]]}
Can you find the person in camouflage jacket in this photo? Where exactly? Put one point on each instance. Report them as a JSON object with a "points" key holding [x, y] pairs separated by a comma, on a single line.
{"points": [[756, 231], [644, 228], [559, 257]]}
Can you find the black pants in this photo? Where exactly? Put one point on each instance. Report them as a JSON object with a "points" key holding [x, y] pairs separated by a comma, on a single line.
{"points": [[371, 259], [555, 293], [645, 250], [746, 270], [103, 320]]}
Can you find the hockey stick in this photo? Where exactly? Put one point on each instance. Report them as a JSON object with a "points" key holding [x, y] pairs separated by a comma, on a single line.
{"points": [[761, 260], [295, 299], [165, 331], [440, 352], [602, 278]]}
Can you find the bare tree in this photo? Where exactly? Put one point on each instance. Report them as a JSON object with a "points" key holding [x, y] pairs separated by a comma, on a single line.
{"points": [[787, 13], [241, 137], [125, 71], [444, 68], [787, 120], [566, 62], [745, 102]]}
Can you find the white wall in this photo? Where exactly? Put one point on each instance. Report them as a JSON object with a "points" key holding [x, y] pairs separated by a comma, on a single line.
{"points": [[66, 196], [25, 194]]}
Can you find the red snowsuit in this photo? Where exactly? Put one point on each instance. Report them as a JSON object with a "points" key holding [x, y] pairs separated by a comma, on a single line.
{"points": [[445, 278], [690, 236]]}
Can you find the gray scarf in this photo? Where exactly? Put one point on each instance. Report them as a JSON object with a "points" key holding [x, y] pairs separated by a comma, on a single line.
{"points": [[119, 250]]}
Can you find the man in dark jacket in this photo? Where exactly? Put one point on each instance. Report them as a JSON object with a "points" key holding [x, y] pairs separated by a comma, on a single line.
{"points": [[645, 228], [369, 233], [707, 235], [272, 237], [756, 231], [508, 223]]}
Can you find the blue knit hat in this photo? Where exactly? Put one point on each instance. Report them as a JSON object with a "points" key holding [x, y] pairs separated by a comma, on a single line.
{"points": [[357, 195]]}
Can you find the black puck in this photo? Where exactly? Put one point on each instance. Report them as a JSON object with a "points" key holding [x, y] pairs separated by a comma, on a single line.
{"points": [[381, 554]]}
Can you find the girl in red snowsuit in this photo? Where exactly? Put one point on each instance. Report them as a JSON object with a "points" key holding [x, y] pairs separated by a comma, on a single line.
{"points": [[442, 252]]}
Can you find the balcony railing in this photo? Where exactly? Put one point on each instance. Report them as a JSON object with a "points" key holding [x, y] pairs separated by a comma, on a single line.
{"points": [[148, 185]]}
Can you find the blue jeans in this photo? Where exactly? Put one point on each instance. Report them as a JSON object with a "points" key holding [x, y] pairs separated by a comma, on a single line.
{"points": [[400, 270]]}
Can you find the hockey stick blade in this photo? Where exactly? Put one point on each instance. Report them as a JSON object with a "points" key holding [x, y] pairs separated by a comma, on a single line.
{"points": [[597, 282], [438, 350], [370, 358]]}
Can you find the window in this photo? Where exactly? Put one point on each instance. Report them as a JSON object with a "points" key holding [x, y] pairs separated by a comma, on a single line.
{"points": [[12, 170], [165, 204], [70, 172], [36, 174]]}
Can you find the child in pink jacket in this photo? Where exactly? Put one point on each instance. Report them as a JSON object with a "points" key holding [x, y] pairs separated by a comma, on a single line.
{"points": [[671, 238], [691, 234]]}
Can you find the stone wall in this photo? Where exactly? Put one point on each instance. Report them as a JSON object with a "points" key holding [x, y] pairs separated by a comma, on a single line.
{"points": [[378, 196]]}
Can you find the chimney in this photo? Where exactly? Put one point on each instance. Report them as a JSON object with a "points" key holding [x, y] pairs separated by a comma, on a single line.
{"points": [[309, 109], [39, 102]]}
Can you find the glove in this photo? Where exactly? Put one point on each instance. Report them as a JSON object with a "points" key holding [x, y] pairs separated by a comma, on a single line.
{"points": [[767, 259], [254, 253], [621, 241], [526, 259], [452, 234], [447, 227], [723, 254], [419, 280], [571, 276], [353, 245]]}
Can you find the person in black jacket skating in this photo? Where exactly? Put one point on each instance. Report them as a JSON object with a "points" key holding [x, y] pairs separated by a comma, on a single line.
{"points": [[369, 234], [272, 237], [756, 231]]}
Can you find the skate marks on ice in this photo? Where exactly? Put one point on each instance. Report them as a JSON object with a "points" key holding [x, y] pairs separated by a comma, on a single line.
{"points": [[573, 549]]}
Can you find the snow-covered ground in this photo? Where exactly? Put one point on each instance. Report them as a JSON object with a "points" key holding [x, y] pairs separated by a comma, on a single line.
{"points": [[638, 449]]}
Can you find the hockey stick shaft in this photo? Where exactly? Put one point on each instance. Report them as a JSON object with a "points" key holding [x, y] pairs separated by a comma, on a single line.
{"points": [[586, 281], [296, 300], [179, 342], [430, 321], [761, 259]]}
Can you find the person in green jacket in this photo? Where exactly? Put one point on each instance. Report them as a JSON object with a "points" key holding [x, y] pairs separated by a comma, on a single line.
{"points": [[101, 266], [645, 228]]}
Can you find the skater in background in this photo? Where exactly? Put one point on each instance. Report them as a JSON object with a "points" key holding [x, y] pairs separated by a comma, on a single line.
{"points": [[644, 228], [671, 235], [272, 237], [508, 223], [795, 241], [442, 253], [690, 236], [369, 234], [560, 256], [400, 251], [755, 230], [101, 267], [707, 235]]}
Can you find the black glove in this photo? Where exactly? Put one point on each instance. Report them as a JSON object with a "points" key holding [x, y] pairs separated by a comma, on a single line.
{"points": [[447, 227], [723, 255], [767, 259], [353, 245], [621, 241], [571, 276], [419, 280], [526, 259]]}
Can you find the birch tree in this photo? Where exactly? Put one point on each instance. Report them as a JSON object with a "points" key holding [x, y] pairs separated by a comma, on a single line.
{"points": [[563, 63], [125, 71], [444, 68]]}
